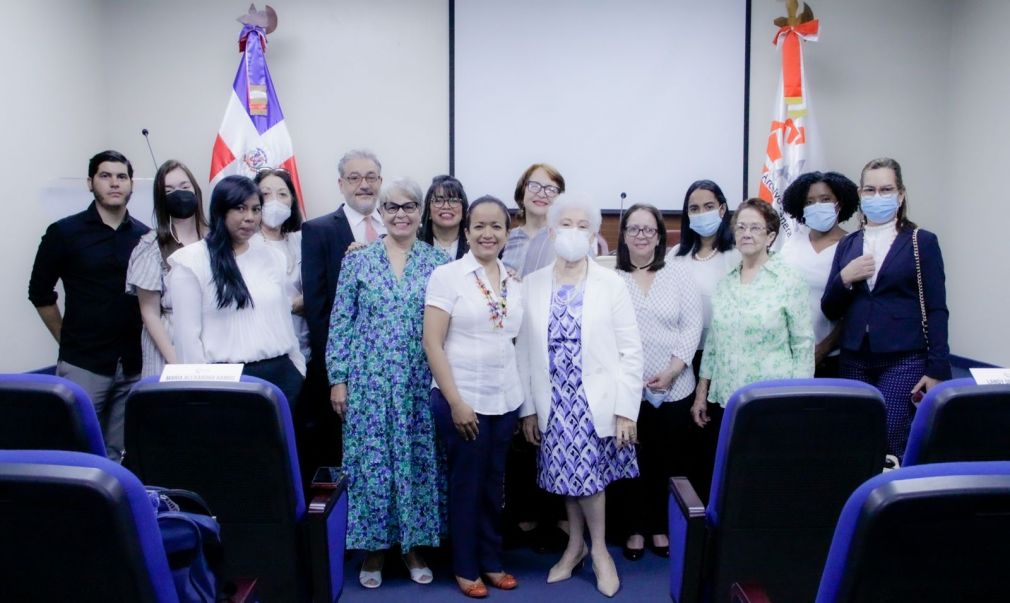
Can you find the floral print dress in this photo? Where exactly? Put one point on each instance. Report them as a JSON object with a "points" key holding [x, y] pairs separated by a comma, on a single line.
{"points": [[396, 489]]}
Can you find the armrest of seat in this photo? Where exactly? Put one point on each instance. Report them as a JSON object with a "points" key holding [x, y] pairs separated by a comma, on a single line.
{"points": [[687, 541], [245, 591], [327, 526], [747, 593]]}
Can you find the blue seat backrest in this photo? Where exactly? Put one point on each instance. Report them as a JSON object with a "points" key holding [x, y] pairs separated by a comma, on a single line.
{"points": [[233, 444], [78, 527], [790, 452], [45, 412], [928, 533], [961, 421]]}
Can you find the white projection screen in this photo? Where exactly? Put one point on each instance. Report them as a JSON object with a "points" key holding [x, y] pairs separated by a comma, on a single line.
{"points": [[636, 96]]}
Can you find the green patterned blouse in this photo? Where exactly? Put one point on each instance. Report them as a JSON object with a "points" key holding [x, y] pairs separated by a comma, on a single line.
{"points": [[760, 331]]}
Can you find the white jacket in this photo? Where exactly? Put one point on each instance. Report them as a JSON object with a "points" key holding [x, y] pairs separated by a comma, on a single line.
{"points": [[612, 364]]}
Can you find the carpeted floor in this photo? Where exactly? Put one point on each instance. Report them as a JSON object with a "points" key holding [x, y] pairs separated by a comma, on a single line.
{"points": [[643, 580]]}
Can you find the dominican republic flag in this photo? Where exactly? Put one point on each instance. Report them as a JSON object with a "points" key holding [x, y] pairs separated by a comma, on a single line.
{"points": [[253, 135], [789, 142]]}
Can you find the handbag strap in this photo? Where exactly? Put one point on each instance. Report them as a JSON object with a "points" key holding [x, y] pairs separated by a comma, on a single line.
{"points": [[918, 283]]}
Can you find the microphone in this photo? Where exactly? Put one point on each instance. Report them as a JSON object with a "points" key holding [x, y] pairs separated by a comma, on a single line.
{"points": [[624, 196], [148, 139]]}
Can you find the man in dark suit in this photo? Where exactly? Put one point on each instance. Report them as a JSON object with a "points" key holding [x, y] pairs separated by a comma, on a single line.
{"points": [[324, 242]]}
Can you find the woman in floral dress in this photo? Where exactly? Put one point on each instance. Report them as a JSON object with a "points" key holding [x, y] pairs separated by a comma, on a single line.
{"points": [[380, 381], [761, 325]]}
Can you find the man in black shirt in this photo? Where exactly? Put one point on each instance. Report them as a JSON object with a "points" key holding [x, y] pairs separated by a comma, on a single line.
{"points": [[99, 336]]}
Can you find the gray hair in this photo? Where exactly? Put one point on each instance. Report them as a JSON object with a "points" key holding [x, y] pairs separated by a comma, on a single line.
{"points": [[357, 154], [406, 186], [566, 201]]}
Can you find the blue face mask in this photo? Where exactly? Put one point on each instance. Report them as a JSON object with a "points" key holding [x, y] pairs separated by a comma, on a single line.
{"points": [[878, 208], [706, 224], [820, 216]]}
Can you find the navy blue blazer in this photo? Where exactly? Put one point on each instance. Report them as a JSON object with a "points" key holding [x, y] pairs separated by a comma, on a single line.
{"points": [[889, 317], [324, 241]]}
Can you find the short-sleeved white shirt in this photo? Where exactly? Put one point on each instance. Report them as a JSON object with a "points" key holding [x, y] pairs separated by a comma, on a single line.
{"points": [[481, 355]]}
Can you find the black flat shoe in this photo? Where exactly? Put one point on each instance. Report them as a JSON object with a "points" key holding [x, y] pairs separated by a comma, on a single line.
{"points": [[633, 554], [660, 551]]}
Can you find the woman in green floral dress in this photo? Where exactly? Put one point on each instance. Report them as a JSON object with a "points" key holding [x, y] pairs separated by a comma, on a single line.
{"points": [[761, 324], [379, 385]]}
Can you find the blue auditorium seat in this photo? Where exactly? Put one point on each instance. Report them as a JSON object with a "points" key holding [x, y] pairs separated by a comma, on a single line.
{"points": [[789, 454], [929, 533], [233, 443], [45, 412], [961, 421], [78, 527]]}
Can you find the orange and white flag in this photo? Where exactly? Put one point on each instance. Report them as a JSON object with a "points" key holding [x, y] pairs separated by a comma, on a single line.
{"points": [[789, 149]]}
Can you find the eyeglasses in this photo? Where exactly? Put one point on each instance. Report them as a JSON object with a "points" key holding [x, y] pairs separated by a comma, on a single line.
{"points": [[886, 191], [446, 202], [549, 190], [355, 179], [410, 207], [751, 228], [641, 231], [266, 170]]}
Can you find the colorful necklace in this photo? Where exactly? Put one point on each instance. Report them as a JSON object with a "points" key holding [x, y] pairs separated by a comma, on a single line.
{"points": [[498, 309]]}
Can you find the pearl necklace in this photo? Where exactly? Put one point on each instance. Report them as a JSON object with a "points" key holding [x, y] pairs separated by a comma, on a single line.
{"points": [[698, 258]]}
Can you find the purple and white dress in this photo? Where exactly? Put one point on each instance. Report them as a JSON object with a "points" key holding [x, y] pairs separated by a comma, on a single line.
{"points": [[574, 461]]}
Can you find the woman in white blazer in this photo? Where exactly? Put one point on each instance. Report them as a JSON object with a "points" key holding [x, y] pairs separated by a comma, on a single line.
{"points": [[580, 363]]}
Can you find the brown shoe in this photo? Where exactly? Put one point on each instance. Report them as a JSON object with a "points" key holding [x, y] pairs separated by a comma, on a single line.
{"points": [[504, 581], [474, 590]]}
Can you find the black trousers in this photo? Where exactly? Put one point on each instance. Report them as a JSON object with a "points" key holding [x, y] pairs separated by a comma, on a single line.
{"points": [[318, 429], [668, 443], [281, 372]]}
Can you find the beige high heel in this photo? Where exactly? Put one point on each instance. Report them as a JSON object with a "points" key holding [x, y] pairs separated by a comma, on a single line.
{"points": [[563, 572], [608, 585]]}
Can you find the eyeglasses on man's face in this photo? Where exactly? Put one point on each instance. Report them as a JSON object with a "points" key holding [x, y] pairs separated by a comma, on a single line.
{"points": [[354, 179]]}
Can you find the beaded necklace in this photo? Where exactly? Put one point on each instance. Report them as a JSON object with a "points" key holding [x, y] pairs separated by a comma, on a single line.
{"points": [[498, 309]]}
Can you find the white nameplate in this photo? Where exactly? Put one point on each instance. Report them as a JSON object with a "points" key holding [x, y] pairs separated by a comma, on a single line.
{"points": [[202, 372], [991, 376]]}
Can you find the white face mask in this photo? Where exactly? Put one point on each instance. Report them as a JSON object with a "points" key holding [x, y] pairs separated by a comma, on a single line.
{"points": [[571, 244], [275, 213]]}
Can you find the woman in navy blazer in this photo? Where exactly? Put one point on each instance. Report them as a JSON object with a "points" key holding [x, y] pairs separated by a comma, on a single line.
{"points": [[873, 290]]}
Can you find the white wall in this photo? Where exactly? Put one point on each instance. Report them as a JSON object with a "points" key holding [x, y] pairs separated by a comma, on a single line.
{"points": [[54, 81], [973, 229], [923, 81]]}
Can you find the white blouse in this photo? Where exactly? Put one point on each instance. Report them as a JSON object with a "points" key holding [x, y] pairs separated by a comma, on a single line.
{"points": [[206, 334], [482, 357], [814, 267], [877, 241], [291, 247], [669, 322], [707, 274]]}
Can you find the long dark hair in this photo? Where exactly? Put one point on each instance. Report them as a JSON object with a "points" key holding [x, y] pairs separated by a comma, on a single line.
{"points": [[690, 241], [886, 162], [624, 254], [294, 221], [231, 192], [451, 187], [163, 223]]}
